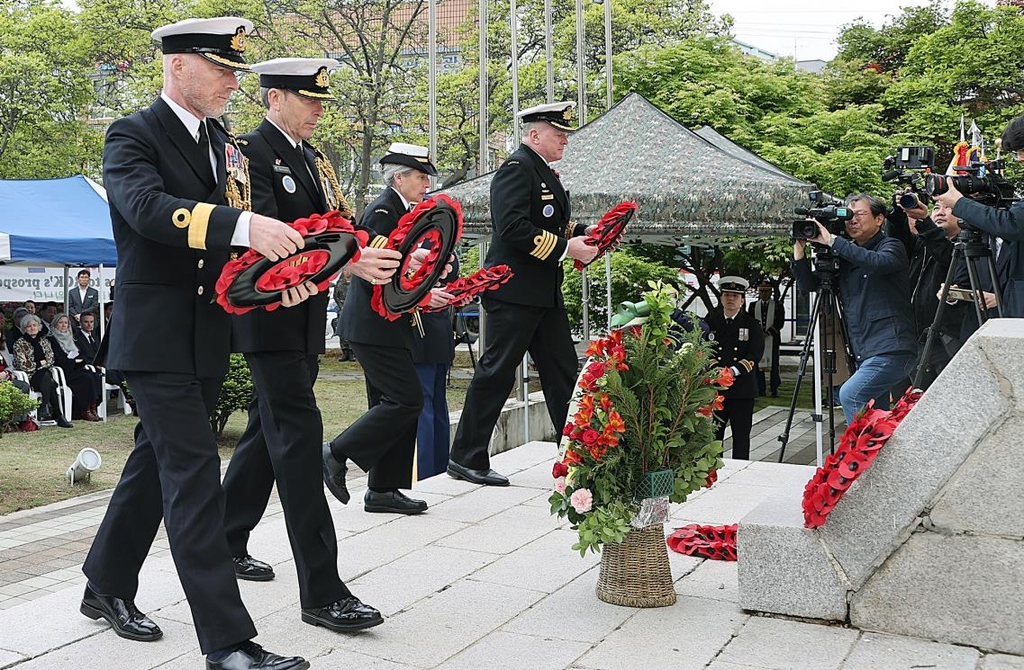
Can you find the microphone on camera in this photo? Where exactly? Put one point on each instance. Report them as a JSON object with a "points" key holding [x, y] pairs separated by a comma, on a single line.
{"points": [[802, 211], [890, 175]]}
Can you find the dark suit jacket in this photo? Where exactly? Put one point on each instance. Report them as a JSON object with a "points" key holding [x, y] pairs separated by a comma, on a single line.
{"points": [[739, 344], [91, 305], [530, 213], [86, 348], [1009, 225], [273, 162], [358, 322], [172, 230]]}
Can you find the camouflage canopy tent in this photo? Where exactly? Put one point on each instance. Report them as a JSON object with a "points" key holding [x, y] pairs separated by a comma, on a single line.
{"points": [[690, 189]]}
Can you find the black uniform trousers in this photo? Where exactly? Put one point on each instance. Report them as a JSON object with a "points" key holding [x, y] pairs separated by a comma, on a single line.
{"points": [[512, 330], [173, 473], [383, 439], [739, 413], [282, 443]]}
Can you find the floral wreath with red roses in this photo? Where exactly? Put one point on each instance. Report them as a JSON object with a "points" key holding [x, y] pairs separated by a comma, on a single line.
{"points": [[646, 398]]}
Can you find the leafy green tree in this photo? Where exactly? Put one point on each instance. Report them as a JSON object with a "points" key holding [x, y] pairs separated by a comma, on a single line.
{"points": [[235, 394], [44, 89], [630, 277]]}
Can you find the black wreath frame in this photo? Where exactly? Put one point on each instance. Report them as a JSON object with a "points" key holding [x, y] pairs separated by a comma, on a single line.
{"points": [[442, 218], [341, 246]]}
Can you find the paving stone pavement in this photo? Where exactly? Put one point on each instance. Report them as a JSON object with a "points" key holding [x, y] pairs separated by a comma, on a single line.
{"points": [[486, 579]]}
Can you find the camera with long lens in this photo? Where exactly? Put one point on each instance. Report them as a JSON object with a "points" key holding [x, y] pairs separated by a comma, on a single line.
{"points": [[985, 183], [832, 214], [899, 168]]}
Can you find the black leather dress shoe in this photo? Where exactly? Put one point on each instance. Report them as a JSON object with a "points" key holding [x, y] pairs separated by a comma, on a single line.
{"points": [[334, 475], [394, 502], [248, 568], [347, 614], [251, 656], [486, 477], [126, 620]]}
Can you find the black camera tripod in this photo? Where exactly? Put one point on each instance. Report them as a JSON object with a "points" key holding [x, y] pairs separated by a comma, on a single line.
{"points": [[970, 245], [827, 302]]}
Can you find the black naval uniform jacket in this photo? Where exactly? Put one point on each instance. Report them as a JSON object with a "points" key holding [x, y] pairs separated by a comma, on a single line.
{"points": [[739, 344], [358, 321], [283, 188], [170, 248], [530, 211]]}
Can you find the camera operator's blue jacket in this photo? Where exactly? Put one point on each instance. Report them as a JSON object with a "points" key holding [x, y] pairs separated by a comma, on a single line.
{"points": [[874, 285], [1009, 225]]}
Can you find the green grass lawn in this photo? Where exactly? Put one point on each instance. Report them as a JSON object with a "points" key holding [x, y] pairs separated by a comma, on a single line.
{"points": [[32, 465]]}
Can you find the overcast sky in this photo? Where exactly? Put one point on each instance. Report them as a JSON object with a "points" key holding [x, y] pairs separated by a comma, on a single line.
{"points": [[803, 28]]}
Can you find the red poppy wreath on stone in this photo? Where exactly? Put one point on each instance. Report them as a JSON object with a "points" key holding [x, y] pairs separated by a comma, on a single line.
{"points": [[608, 231], [252, 280], [435, 224], [857, 449], [715, 542]]}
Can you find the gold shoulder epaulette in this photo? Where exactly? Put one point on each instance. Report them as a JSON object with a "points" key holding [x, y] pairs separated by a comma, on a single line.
{"points": [[545, 243]]}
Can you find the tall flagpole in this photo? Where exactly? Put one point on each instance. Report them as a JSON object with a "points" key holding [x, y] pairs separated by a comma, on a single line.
{"points": [[432, 81], [482, 162], [608, 49], [513, 13], [549, 54], [581, 108]]}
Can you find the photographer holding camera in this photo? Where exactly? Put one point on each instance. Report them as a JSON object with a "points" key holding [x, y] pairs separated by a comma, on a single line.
{"points": [[874, 287], [931, 239], [1005, 224]]}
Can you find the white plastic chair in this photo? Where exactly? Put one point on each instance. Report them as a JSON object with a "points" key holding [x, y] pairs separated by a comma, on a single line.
{"points": [[64, 391]]}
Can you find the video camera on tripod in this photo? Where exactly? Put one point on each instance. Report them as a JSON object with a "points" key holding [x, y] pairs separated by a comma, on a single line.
{"points": [[985, 183], [900, 169], [833, 214]]}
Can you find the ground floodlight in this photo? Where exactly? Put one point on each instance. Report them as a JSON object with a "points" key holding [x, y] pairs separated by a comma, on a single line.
{"points": [[87, 462]]}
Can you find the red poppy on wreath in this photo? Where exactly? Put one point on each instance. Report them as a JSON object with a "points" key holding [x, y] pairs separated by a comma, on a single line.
{"points": [[712, 478], [466, 289], [303, 265], [857, 449], [717, 543], [608, 231]]}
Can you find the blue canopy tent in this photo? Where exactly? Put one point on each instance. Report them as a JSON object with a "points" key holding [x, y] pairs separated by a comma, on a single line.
{"points": [[62, 221]]}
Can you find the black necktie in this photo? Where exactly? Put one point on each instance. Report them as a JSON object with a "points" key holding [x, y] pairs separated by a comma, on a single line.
{"points": [[410, 207], [204, 145]]}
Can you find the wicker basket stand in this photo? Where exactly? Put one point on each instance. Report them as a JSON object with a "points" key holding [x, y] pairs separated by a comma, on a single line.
{"points": [[636, 573]]}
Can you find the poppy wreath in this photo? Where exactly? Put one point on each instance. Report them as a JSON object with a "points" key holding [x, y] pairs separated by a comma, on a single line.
{"points": [[858, 448], [465, 289], [715, 542], [436, 224], [608, 231], [252, 280]]}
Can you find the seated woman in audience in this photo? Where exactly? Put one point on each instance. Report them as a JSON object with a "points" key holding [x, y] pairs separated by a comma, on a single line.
{"points": [[86, 385], [34, 355]]}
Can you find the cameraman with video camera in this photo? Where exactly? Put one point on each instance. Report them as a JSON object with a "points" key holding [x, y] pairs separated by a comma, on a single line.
{"points": [[999, 221], [874, 288], [931, 238]]}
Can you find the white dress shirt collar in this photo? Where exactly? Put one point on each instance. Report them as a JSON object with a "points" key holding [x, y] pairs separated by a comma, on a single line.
{"points": [[286, 135], [187, 118]]}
